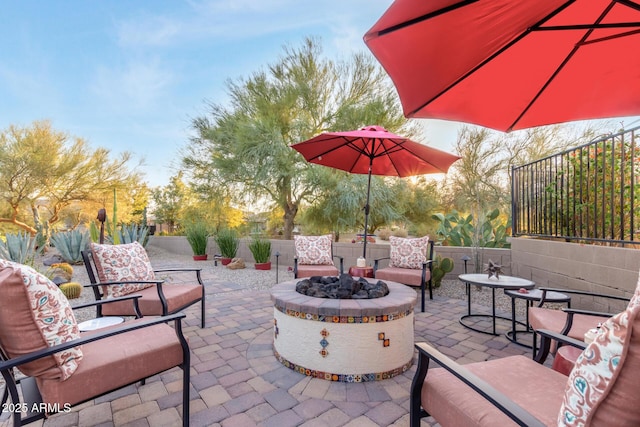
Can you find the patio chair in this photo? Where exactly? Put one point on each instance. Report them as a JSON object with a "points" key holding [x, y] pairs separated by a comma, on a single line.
{"points": [[126, 269], [314, 257], [61, 367], [410, 263], [571, 322], [601, 390]]}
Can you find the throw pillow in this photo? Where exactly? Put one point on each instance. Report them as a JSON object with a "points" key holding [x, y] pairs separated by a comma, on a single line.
{"points": [[34, 315], [408, 253], [598, 369], [313, 250], [119, 263]]}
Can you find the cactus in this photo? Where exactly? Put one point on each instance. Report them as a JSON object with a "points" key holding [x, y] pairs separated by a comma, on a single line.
{"points": [[441, 266], [70, 244], [60, 269], [20, 248], [134, 233], [71, 290]]}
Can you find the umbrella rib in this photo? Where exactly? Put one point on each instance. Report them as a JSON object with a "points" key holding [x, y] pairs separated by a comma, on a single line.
{"points": [[561, 66], [424, 17], [489, 59]]}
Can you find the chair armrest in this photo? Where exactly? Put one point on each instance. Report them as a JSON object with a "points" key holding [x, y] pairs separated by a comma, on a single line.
{"points": [[376, 261], [198, 272], [572, 311], [128, 326], [551, 335], [341, 262], [124, 282], [105, 301], [586, 293], [425, 352]]}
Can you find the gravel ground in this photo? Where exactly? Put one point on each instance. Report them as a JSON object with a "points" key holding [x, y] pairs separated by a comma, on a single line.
{"points": [[250, 279]]}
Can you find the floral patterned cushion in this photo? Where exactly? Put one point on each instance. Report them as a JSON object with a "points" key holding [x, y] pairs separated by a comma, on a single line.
{"points": [[600, 372], [313, 250], [118, 263], [408, 253], [35, 315]]}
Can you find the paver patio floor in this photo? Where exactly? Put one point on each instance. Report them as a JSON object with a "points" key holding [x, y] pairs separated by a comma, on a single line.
{"points": [[236, 381]]}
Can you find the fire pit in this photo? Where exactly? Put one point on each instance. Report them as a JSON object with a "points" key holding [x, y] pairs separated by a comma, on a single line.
{"points": [[349, 340]]}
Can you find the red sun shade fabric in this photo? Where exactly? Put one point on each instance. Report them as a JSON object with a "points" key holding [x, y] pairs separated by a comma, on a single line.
{"points": [[387, 153], [509, 65]]}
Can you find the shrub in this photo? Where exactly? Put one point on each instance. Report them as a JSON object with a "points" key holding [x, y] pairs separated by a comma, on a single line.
{"points": [[198, 237], [261, 250], [400, 232], [384, 234], [227, 241]]}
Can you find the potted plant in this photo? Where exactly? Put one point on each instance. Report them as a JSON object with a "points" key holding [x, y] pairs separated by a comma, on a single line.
{"points": [[227, 241], [198, 237], [261, 251]]}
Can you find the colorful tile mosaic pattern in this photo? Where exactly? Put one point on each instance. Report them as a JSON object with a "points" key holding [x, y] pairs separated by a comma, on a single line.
{"points": [[344, 319], [345, 378], [324, 343]]}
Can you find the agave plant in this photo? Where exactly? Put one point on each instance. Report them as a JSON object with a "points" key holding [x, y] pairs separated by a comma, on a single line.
{"points": [[134, 233], [20, 248], [70, 244]]}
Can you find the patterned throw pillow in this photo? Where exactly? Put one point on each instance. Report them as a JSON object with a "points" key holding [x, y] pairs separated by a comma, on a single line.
{"points": [[35, 315], [313, 250], [408, 253], [118, 263], [599, 367]]}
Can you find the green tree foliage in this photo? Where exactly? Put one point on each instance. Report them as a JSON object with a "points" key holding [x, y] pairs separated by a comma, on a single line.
{"points": [[243, 149], [45, 173]]}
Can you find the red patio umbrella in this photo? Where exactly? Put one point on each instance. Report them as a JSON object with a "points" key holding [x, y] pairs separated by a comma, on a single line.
{"points": [[510, 65], [373, 150]]}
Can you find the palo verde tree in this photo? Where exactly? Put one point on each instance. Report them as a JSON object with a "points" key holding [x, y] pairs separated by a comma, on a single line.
{"points": [[43, 171], [244, 148]]}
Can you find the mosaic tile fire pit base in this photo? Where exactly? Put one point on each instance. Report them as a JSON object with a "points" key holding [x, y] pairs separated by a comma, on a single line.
{"points": [[344, 340]]}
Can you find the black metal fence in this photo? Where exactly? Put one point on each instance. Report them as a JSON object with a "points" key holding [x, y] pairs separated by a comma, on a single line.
{"points": [[588, 193]]}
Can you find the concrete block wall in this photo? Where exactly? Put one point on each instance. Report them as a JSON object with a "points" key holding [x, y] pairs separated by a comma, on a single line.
{"points": [[601, 269]]}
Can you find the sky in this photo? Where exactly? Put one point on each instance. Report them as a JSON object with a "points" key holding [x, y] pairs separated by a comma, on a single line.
{"points": [[131, 75]]}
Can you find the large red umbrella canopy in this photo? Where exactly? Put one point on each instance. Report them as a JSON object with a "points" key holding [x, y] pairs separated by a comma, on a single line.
{"points": [[508, 64], [373, 150]]}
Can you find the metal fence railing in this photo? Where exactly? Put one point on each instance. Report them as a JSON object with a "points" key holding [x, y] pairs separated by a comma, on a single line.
{"points": [[588, 193]]}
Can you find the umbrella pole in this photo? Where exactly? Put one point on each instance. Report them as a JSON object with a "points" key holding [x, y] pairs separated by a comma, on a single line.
{"points": [[366, 214]]}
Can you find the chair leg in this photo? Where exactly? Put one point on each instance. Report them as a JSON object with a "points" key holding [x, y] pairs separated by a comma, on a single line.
{"points": [[422, 288], [202, 310]]}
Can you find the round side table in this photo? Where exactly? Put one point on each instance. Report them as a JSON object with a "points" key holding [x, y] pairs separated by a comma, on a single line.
{"points": [[356, 271], [530, 297]]}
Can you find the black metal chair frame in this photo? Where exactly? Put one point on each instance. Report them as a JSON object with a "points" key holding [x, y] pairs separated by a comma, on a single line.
{"points": [[519, 415], [32, 400], [544, 351], [89, 264], [428, 264]]}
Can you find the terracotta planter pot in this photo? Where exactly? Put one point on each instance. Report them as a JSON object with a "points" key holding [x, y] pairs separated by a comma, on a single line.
{"points": [[263, 266], [200, 257], [225, 261]]}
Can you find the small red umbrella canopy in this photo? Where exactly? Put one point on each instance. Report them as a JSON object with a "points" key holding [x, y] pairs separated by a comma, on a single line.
{"points": [[373, 150], [510, 65]]}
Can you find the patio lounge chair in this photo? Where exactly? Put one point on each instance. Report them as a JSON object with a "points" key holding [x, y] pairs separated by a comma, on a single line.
{"points": [[314, 257], [125, 269], [601, 390], [62, 367], [410, 263], [571, 322]]}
